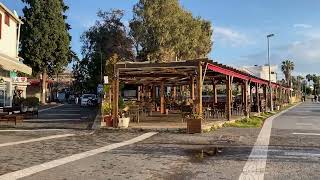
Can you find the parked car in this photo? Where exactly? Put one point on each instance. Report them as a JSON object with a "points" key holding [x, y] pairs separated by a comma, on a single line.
{"points": [[88, 100]]}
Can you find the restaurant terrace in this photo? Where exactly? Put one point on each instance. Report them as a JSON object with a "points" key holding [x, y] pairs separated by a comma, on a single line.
{"points": [[166, 90]]}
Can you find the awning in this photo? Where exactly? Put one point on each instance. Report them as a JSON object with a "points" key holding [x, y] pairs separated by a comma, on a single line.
{"points": [[13, 64]]}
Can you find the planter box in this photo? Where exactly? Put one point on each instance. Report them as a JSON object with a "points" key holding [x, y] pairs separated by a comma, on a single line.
{"points": [[124, 122], [194, 126]]}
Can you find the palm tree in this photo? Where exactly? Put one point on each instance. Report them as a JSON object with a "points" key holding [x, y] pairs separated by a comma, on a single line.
{"points": [[287, 67], [300, 79]]}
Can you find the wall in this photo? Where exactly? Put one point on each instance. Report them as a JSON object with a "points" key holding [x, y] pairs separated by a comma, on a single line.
{"points": [[8, 41]]}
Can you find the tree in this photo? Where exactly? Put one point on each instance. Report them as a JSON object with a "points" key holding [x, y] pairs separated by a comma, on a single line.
{"points": [[316, 81], [163, 31], [287, 67], [45, 41], [102, 43]]}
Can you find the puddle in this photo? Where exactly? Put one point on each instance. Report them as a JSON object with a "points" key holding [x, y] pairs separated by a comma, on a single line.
{"points": [[201, 154]]}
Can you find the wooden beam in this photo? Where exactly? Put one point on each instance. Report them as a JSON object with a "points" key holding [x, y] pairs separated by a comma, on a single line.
{"points": [[162, 103]]}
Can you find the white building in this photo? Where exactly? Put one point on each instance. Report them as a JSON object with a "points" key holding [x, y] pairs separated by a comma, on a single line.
{"points": [[262, 71], [10, 64]]}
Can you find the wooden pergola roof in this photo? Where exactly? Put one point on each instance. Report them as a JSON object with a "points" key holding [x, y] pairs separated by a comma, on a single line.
{"points": [[180, 72]]}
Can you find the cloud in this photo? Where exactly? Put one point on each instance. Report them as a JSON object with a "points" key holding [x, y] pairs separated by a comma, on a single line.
{"points": [[305, 55], [306, 26], [230, 37]]}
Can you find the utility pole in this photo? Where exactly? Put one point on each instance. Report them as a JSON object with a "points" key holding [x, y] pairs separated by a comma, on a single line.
{"points": [[270, 87]]}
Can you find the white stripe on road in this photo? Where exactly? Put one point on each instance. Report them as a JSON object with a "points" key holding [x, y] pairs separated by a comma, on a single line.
{"points": [[50, 120], [46, 109], [255, 167], [30, 130], [58, 162], [304, 124], [308, 134], [35, 140], [62, 114], [301, 154]]}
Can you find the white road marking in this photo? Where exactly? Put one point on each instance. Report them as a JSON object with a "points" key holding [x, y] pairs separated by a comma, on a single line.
{"points": [[62, 114], [301, 154], [58, 162], [35, 140], [30, 130], [255, 167], [304, 124], [308, 134], [46, 109], [50, 120]]}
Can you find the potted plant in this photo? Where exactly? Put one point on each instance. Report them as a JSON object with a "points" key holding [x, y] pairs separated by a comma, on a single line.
{"points": [[123, 119], [194, 120], [107, 118]]}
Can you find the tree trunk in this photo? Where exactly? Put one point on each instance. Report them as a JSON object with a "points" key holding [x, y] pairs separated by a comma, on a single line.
{"points": [[43, 88]]}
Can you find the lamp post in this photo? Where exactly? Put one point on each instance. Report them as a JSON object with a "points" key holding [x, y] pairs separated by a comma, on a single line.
{"points": [[270, 88]]}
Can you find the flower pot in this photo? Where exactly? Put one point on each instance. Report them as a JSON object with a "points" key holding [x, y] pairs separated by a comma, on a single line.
{"points": [[30, 109], [24, 109], [108, 120], [124, 122], [193, 125]]}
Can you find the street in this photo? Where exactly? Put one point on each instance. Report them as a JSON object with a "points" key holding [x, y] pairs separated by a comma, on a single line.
{"points": [[63, 116], [292, 152]]}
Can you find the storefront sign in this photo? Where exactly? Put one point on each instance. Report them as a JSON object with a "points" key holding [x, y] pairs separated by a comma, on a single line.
{"points": [[20, 79]]}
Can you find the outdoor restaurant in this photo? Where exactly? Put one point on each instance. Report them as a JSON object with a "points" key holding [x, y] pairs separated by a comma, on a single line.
{"points": [[190, 94]]}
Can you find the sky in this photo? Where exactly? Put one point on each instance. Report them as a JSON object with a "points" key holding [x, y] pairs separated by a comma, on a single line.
{"points": [[240, 28]]}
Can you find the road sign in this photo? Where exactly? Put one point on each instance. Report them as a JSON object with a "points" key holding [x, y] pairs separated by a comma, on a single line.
{"points": [[106, 79]]}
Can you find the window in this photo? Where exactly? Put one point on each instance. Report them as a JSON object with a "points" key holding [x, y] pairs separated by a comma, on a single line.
{"points": [[0, 24], [7, 19]]}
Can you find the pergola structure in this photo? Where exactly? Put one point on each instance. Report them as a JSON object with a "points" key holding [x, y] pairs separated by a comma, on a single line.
{"points": [[195, 74]]}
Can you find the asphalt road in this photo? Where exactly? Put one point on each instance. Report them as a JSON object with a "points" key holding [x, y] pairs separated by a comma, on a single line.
{"points": [[63, 116], [294, 149], [293, 152]]}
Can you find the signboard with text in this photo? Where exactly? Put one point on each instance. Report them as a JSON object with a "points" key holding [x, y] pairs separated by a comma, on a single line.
{"points": [[20, 79]]}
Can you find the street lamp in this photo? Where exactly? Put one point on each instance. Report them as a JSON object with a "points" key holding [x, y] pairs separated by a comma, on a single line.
{"points": [[271, 99]]}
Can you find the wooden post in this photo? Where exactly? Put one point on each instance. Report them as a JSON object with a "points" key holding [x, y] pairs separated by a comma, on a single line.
{"points": [[199, 90], [154, 91], [214, 89], [162, 108], [139, 93], [257, 98], [265, 95], [245, 98], [229, 97], [116, 99], [174, 94], [192, 88]]}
